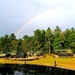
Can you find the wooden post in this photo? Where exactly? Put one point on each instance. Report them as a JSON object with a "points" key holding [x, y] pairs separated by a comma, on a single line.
{"points": [[55, 63]]}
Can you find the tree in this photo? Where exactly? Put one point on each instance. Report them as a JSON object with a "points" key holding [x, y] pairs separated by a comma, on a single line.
{"points": [[49, 39], [67, 40], [72, 36], [37, 40], [1, 45], [27, 43], [58, 42], [14, 45], [43, 41], [6, 43], [12, 37]]}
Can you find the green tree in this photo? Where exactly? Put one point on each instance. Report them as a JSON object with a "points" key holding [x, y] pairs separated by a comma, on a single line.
{"points": [[19, 48], [14, 45], [67, 35], [27, 43], [12, 37], [1, 45], [43, 41], [6, 43], [72, 36], [49, 39], [58, 42], [37, 40]]}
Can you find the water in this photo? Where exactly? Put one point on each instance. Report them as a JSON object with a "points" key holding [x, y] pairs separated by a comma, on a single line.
{"points": [[9, 69]]}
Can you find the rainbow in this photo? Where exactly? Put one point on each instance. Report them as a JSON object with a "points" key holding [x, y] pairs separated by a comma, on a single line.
{"points": [[40, 16]]}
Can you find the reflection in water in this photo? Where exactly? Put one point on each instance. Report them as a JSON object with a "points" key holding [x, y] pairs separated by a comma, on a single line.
{"points": [[9, 69], [18, 73]]}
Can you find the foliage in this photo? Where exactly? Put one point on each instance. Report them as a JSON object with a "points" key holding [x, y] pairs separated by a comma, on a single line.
{"points": [[43, 40]]}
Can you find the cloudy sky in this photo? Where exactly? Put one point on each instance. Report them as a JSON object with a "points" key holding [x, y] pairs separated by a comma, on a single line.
{"points": [[22, 17]]}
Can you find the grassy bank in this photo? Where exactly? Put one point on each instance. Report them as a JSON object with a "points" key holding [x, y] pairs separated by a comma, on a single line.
{"points": [[64, 62]]}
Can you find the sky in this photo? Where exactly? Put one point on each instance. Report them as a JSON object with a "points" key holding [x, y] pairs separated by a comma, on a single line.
{"points": [[23, 17]]}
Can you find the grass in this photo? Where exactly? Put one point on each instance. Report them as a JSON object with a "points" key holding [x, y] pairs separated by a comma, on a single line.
{"points": [[63, 62]]}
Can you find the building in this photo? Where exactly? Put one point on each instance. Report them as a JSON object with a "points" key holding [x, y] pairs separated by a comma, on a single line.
{"points": [[64, 52]]}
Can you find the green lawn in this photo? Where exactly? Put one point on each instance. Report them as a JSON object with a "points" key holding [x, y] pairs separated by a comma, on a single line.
{"points": [[64, 62]]}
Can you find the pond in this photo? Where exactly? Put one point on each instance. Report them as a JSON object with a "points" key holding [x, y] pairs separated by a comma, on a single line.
{"points": [[14, 69]]}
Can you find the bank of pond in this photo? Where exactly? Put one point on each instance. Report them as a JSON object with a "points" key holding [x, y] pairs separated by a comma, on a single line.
{"points": [[27, 69]]}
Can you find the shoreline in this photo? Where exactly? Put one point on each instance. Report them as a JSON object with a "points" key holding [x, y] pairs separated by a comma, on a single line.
{"points": [[63, 63]]}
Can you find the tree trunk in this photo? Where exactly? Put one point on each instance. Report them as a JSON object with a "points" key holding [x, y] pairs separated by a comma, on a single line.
{"points": [[49, 48]]}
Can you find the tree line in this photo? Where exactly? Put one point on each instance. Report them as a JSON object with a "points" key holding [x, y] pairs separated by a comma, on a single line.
{"points": [[42, 40]]}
